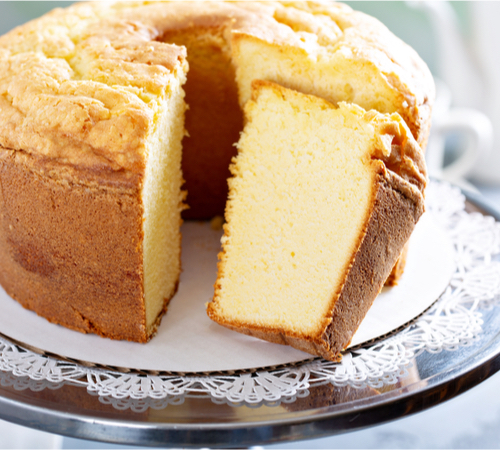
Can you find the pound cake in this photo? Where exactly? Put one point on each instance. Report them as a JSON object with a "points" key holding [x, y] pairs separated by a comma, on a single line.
{"points": [[322, 200], [101, 121]]}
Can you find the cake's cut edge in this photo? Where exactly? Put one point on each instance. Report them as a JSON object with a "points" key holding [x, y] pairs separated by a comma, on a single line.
{"points": [[163, 201]]}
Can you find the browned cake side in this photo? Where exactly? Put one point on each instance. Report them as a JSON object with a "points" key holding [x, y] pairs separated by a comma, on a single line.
{"points": [[399, 267], [73, 252], [78, 126], [396, 210]]}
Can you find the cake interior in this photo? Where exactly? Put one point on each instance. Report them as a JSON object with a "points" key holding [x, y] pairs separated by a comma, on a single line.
{"points": [[299, 202], [213, 120], [162, 200], [333, 76], [221, 70]]}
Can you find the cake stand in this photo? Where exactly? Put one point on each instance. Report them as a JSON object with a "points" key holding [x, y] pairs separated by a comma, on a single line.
{"points": [[322, 405]]}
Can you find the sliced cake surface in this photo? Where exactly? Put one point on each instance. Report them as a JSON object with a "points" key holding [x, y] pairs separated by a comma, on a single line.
{"points": [[322, 201]]}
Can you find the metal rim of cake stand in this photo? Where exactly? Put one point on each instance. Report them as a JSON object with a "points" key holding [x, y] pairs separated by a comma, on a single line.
{"points": [[310, 424]]}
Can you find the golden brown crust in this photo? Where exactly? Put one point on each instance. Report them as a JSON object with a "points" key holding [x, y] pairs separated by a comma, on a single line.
{"points": [[396, 210], [72, 253], [399, 152], [402, 68], [90, 102], [77, 84], [397, 206]]}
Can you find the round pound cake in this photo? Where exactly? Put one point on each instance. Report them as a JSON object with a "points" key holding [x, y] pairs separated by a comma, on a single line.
{"points": [[111, 112]]}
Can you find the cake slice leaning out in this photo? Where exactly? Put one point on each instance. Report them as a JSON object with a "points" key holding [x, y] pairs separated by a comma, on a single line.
{"points": [[321, 203]]}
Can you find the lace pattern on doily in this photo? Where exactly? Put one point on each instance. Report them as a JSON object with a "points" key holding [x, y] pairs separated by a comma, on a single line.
{"points": [[454, 320]]}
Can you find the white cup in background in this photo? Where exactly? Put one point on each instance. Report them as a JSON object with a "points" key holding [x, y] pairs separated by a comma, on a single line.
{"points": [[471, 127], [469, 63]]}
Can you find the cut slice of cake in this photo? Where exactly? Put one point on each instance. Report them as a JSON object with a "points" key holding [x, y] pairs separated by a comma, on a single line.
{"points": [[321, 203]]}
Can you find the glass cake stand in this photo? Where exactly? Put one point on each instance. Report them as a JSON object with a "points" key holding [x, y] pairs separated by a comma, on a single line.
{"points": [[322, 409]]}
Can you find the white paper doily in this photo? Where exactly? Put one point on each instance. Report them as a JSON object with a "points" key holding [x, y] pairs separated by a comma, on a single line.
{"points": [[454, 320]]}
